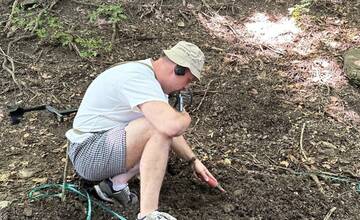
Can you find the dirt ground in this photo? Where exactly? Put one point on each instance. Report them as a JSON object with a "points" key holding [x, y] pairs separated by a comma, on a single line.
{"points": [[275, 118]]}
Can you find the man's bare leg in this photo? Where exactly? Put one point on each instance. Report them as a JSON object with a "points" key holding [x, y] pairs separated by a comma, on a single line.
{"points": [[151, 148], [125, 177], [152, 170]]}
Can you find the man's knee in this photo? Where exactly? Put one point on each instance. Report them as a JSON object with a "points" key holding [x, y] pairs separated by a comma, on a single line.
{"points": [[145, 128]]}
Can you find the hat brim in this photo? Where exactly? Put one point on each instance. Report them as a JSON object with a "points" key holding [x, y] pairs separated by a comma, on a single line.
{"points": [[174, 57]]}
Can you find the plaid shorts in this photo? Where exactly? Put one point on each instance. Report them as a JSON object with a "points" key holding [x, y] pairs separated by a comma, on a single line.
{"points": [[101, 155]]}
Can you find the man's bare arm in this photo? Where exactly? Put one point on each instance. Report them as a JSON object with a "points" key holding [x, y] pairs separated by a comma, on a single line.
{"points": [[165, 119]]}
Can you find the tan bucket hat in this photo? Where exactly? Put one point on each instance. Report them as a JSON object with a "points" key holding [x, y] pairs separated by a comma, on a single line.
{"points": [[187, 55]]}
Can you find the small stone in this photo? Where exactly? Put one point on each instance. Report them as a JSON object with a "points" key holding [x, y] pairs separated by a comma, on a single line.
{"points": [[40, 180], [26, 173], [227, 161], [4, 204], [28, 212], [228, 207], [238, 192], [181, 24]]}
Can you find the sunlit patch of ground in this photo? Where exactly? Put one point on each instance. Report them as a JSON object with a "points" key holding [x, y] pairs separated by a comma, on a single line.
{"points": [[272, 31], [339, 110], [321, 71], [270, 35], [311, 47]]}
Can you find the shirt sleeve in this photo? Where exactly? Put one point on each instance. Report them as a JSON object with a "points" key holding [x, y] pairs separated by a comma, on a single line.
{"points": [[140, 89]]}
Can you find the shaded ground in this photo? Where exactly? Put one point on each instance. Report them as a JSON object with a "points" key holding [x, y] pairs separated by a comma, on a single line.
{"points": [[260, 95]]}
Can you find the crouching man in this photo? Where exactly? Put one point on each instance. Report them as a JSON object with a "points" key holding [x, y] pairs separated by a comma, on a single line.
{"points": [[125, 125]]}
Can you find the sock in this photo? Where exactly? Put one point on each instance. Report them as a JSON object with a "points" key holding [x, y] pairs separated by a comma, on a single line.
{"points": [[118, 186]]}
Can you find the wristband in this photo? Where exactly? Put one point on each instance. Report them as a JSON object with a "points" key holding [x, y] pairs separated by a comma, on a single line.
{"points": [[192, 160]]}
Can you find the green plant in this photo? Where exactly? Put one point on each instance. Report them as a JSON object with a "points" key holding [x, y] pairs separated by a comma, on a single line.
{"points": [[299, 9], [53, 29], [113, 13]]}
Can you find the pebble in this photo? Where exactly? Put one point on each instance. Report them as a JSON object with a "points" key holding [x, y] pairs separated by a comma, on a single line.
{"points": [[228, 207], [26, 173], [4, 204], [238, 192], [28, 212]]}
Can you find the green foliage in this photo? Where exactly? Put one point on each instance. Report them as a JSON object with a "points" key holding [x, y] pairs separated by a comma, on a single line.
{"points": [[113, 13], [301, 8], [52, 28]]}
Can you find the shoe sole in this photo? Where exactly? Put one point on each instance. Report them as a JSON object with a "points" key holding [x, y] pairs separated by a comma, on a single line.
{"points": [[102, 195]]}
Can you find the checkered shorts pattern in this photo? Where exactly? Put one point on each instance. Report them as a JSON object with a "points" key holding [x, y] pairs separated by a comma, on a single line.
{"points": [[101, 155]]}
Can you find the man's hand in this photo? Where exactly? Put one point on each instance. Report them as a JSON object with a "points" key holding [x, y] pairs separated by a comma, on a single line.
{"points": [[201, 171]]}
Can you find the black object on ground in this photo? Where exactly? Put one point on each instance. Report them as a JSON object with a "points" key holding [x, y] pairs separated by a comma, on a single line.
{"points": [[17, 112]]}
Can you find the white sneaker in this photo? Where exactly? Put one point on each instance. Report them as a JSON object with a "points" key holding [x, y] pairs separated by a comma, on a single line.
{"points": [[156, 215]]}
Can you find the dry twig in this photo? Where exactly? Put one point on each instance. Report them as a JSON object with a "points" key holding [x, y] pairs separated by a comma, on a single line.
{"points": [[12, 70], [202, 99], [63, 196], [184, 16], [7, 26], [301, 143], [328, 215], [305, 158], [113, 36]]}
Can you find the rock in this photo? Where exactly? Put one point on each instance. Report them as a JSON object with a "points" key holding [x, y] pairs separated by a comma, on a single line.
{"points": [[4, 204], [227, 161], [28, 212], [4, 177], [352, 65], [228, 207], [181, 24], [238, 192], [26, 173]]}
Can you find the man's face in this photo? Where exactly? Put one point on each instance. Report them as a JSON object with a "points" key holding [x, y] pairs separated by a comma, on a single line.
{"points": [[176, 83]]}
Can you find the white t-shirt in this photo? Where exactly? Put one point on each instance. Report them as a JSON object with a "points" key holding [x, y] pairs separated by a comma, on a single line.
{"points": [[112, 99]]}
